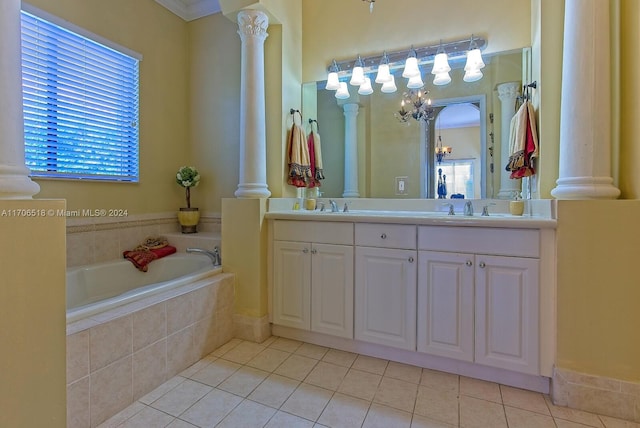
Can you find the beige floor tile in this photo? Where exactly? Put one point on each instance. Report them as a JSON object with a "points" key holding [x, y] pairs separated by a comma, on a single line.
{"points": [[480, 389], [181, 397], [437, 405], [269, 359], [370, 364], [396, 393], [326, 375], [476, 413], [380, 416], [226, 348], [404, 372], [344, 412], [523, 399], [286, 345], [307, 401], [360, 384], [562, 423], [177, 423], [211, 409], [244, 381], [215, 373], [312, 351], [617, 423], [296, 367], [243, 353], [274, 391], [425, 422], [268, 341], [283, 419], [148, 417], [248, 414], [573, 415], [191, 370], [116, 420], [440, 380], [161, 390], [340, 358], [519, 418]]}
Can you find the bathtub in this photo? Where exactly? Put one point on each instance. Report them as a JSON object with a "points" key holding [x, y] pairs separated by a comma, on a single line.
{"points": [[96, 288]]}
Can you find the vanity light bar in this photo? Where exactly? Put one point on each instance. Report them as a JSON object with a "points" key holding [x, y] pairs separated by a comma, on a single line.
{"points": [[425, 54]]}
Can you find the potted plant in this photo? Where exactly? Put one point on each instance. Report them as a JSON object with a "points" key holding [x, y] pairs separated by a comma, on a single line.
{"points": [[188, 217]]}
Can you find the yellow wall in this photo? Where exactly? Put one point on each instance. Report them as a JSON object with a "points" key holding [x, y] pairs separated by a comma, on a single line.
{"points": [[32, 314], [598, 293], [161, 37]]}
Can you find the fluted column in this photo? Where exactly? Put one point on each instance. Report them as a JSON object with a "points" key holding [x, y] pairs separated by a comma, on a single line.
{"points": [[585, 122], [507, 93], [252, 27], [350, 151], [14, 175]]}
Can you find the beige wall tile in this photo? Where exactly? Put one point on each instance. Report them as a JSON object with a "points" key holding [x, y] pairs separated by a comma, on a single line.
{"points": [[111, 390], [109, 342], [180, 351], [149, 368], [78, 404], [179, 313], [149, 325], [77, 356]]}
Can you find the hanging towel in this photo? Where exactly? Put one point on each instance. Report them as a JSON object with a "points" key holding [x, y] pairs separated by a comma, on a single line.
{"points": [[315, 158], [523, 142], [298, 157]]}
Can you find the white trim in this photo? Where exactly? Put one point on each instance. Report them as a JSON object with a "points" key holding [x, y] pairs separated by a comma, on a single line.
{"points": [[191, 9], [79, 30]]}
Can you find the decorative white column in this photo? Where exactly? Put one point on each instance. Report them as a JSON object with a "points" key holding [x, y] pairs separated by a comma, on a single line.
{"points": [[14, 175], [252, 27], [350, 151], [507, 93], [585, 122]]}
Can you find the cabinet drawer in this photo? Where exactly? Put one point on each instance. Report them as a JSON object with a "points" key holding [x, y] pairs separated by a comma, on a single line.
{"points": [[503, 242], [323, 232], [386, 235]]}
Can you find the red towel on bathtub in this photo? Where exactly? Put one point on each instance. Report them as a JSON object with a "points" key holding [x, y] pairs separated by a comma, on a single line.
{"points": [[142, 257]]}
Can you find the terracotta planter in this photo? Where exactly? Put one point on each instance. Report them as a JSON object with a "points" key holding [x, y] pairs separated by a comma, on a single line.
{"points": [[189, 218]]}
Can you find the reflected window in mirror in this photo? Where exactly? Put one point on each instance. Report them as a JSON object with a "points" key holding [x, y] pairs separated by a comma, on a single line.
{"points": [[457, 175]]}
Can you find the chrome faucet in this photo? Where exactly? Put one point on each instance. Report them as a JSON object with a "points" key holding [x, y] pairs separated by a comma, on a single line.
{"points": [[214, 254], [468, 208], [334, 206]]}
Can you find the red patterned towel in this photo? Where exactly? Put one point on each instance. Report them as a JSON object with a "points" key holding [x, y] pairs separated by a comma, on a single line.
{"points": [[141, 258]]}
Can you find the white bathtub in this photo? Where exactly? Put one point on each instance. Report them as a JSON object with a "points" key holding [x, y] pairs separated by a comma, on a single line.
{"points": [[96, 288]]}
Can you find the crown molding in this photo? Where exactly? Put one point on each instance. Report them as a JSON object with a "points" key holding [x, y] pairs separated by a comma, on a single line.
{"points": [[191, 9]]}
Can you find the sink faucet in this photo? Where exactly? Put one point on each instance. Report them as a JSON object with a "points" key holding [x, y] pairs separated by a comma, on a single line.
{"points": [[468, 208], [334, 206], [214, 254]]}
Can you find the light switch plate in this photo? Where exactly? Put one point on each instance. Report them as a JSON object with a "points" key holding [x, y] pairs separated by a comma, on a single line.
{"points": [[401, 185]]}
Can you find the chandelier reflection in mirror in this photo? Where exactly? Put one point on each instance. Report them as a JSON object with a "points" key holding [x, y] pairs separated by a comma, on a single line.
{"points": [[441, 151], [415, 105]]}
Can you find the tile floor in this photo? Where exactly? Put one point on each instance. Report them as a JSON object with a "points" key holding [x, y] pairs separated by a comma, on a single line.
{"points": [[283, 383]]}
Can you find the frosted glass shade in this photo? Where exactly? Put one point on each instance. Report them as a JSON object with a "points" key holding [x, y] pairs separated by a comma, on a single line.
{"points": [[415, 82], [357, 78], [440, 64], [411, 67], [365, 88], [442, 79], [383, 75], [332, 81], [472, 75], [474, 60], [390, 86], [343, 91]]}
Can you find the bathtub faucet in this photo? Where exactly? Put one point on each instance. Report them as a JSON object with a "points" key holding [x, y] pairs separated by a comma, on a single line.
{"points": [[214, 254]]}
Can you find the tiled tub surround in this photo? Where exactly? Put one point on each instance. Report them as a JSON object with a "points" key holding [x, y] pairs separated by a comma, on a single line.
{"points": [[118, 356], [98, 239]]}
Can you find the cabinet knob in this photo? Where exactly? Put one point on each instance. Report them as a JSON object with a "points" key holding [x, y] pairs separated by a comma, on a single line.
{"points": [[306, 250], [314, 251], [482, 265], [383, 236], [410, 259], [468, 263]]}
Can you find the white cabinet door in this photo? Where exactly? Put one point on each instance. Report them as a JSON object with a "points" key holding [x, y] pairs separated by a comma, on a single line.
{"points": [[507, 313], [445, 304], [292, 284], [385, 289], [332, 289]]}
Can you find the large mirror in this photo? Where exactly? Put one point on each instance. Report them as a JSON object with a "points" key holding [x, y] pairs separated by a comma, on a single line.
{"points": [[396, 159]]}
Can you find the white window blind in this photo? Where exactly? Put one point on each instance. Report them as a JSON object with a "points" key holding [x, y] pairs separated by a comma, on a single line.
{"points": [[80, 101]]}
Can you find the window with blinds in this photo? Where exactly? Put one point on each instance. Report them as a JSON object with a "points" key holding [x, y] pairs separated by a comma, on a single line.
{"points": [[80, 101]]}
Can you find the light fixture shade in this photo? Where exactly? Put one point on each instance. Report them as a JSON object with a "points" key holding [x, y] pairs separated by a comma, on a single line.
{"points": [[415, 82], [390, 86], [383, 75], [343, 91], [474, 60], [365, 88], [442, 79], [332, 81], [357, 78], [411, 67], [441, 64], [472, 75]]}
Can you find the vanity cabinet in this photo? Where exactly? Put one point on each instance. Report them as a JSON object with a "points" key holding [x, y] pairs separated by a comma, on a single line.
{"points": [[385, 284], [313, 276], [480, 306]]}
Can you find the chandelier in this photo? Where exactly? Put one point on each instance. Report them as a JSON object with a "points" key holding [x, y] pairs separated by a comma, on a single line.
{"points": [[415, 105], [441, 151]]}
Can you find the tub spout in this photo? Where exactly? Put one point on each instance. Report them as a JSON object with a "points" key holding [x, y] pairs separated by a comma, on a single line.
{"points": [[214, 254]]}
